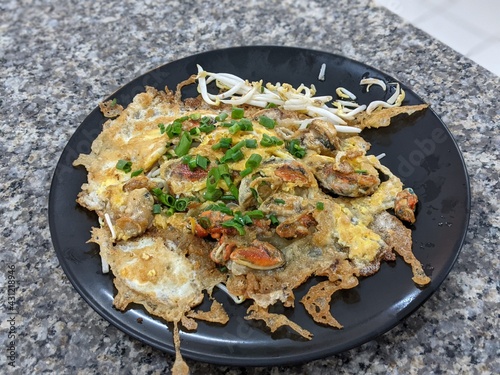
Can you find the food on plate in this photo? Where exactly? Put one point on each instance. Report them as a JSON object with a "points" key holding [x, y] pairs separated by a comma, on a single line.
{"points": [[253, 190]]}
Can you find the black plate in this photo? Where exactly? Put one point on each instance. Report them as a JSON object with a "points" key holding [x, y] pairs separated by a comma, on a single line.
{"points": [[419, 149]]}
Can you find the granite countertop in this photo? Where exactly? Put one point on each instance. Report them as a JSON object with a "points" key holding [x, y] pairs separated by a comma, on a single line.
{"points": [[60, 58]]}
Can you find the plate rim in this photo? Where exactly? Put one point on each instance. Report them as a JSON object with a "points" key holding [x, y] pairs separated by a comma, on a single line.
{"points": [[271, 360]]}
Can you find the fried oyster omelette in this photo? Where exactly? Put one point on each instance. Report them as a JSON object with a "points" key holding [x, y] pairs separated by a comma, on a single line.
{"points": [[254, 190]]}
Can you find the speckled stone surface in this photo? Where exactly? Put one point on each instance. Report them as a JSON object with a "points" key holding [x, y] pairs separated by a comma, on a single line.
{"points": [[60, 58]]}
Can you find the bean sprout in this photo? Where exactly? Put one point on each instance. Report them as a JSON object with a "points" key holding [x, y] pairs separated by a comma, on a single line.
{"points": [[236, 91], [236, 299], [373, 81]]}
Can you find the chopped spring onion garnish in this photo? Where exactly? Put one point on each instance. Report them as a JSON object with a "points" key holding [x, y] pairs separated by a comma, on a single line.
{"points": [[236, 299], [279, 201], [296, 149], [221, 207], [242, 125], [373, 81], [137, 172], [274, 219], [181, 204], [267, 122], [255, 195], [250, 143], [255, 214], [322, 71], [221, 117], [124, 165], [234, 154], [223, 143], [194, 162], [184, 144], [174, 129], [237, 113], [168, 200], [268, 141], [233, 223], [213, 193], [252, 163], [164, 198], [320, 206]]}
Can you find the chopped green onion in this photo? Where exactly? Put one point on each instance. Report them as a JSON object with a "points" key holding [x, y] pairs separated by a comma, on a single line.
{"points": [[246, 124], [202, 162], [256, 214], [361, 171], [279, 201], [124, 165], [237, 113], [233, 129], [221, 207], [156, 208], [242, 219], [251, 143], [268, 141], [172, 130], [194, 131], [164, 198], [137, 172], [253, 161], [181, 204], [296, 149], [223, 269], [204, 222], [267, 122], [274, 219], [207, 128], [213, 195], [320, 206], [246, 172], [255, 194], [195, 116], [197, 161], [271, 105], [234, 153], [237, 156], [213, 177], [113, 103], [242, 125], [223, 169], [192, 163], [236, 225], [223, 143], [221, 117], [184, 144], [228, 197], [234, 191]]}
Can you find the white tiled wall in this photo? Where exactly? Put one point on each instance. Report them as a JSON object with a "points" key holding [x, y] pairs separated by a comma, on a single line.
{"points": [[471, 27]]}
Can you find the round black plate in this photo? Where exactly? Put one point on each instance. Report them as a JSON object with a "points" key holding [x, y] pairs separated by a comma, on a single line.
{"points": [[419, 149]]}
